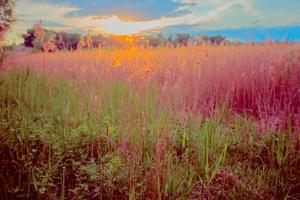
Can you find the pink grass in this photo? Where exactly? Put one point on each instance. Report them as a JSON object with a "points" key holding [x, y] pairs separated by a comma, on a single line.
{"points": [[262, 80]]}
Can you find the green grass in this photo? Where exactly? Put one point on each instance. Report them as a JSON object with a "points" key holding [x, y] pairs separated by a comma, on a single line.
{"points": [[60, 139]]}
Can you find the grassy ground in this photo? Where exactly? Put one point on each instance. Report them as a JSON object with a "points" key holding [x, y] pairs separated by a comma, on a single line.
{"points": [[58, 140]]}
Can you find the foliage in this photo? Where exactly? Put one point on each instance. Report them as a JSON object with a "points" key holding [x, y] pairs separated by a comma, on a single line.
{"points": [[29, 38], [41, 39], [182, 39], [217, 40], [6, 19], [49, 44], [89, 41], [81, 44], [59, 41], [72, 41], [6, 16]]}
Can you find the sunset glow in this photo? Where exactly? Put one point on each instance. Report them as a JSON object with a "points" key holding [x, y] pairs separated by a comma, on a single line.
{"points": [[115, 25]]}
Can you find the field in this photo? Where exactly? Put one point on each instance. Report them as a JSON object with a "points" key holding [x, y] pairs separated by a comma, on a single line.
{"points": [[194, 122]]}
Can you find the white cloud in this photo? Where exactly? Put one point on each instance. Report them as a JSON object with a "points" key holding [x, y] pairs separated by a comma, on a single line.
{"points": [[30, 11], [207, 14]]}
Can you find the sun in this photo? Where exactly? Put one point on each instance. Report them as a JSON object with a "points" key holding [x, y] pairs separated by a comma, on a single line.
{"points": [[118, 26], [115, 25]]}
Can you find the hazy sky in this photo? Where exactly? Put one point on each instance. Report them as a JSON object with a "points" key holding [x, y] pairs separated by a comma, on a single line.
{"points": [[259, 19]]}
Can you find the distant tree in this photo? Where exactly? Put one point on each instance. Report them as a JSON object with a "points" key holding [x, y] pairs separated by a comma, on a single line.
{"points": [[48, 44], [28, 38], [71, 40], [98, 40], [156, 40], [217, 39], [39, 36], [203, 40], [170, 41], [89, 41], [81, 44], [182, 39], [36, 36], [160, 39], [59, 41]]}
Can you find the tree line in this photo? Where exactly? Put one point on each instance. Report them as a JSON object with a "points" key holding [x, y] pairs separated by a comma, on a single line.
{"points": [[45, 40]]}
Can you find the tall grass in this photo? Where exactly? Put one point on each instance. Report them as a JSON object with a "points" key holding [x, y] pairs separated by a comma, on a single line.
{"points": [[261, 80], [209, 122]]}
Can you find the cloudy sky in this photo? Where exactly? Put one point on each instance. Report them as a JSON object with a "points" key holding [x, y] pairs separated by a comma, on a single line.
{"points": [[236, 19]]}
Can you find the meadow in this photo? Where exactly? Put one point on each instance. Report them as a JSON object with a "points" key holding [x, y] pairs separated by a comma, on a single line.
{"points": [[191, 122]]}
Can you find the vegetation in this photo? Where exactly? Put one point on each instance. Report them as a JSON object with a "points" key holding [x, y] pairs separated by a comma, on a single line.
{"points": [[45, 40], [144, 123], [42, 39], [6, 18]]}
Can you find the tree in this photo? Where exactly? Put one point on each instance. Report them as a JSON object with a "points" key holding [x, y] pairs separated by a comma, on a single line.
{"points": [[36, 36], [48, 44], [81, 44], [89, 41], [59, 41], [40, 38], [6, 18], [156, 40], [202, 40], [217, 39], [182, 39], [97, 40], [29, 38], [170, 41], [68, 41], [71, 40], [39, 35]]}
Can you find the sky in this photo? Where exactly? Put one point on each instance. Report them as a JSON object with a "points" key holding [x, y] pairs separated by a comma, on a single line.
{"points": [[245, 20]]}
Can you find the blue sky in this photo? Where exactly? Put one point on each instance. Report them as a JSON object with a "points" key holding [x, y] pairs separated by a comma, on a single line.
{"points": [[246, 20]]}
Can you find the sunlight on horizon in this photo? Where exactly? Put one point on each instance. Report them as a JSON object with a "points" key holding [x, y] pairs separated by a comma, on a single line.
{"points": [[117, 26]]}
